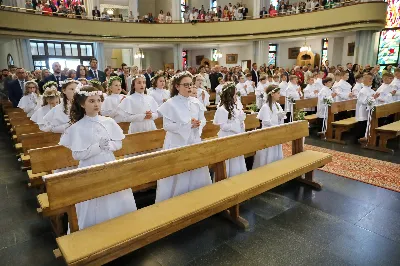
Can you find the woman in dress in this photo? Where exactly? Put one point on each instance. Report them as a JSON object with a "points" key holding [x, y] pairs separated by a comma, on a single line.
{"points": [[31, 100], [139, 108], [230, 118], [57, 119], [271, 114], [93, 138], [182, 117], [114, 98]]}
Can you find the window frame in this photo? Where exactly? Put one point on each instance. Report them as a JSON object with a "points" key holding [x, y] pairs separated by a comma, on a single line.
{"points": [[273, 52], [324, 40]]}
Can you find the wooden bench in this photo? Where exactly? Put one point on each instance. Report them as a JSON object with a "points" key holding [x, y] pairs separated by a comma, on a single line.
{"points": [[307, 103], [336, 128], [114, 238], [24, 129], [213, 105], [385, 132], [247, 100]]}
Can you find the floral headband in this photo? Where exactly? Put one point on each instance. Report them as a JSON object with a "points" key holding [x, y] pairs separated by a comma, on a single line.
{"points": [[51, 92], [156, 76], [50, 84], [136, 77], [112, 79], [31, 82], [183, 73], [89, 93], [95, 82], [228, 85], [68, 81], [274, 90]]}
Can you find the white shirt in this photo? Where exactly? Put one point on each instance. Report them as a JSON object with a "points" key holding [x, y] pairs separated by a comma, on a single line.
{"points": [[361, 107], [309, 91], [343, 89], [356, 89], [396, 84], [249, 84], [385, 94], [159, 95], [321, 107], [283, 86], [240, 88], [206, 101], [291, 92]]}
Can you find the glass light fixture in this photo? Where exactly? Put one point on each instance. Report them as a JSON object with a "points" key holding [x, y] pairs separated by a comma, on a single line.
{"points": [[139, 54], [218, 54], [305, 48]]}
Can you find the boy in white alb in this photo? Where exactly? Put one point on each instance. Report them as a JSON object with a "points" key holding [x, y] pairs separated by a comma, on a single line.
{"points": [[293, 92], [320, 76], [311, 91], [358, 86], [260, 91], [343, 88], [202, 95], [241, 87], [283, 85], [249, 84], [396, 84], [275, 80], [322, 108], [386, 90]]}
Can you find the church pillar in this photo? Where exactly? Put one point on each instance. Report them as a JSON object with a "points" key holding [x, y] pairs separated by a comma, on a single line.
{"points": [[89, 6], [178, 56], [260, 52], [134, 8], [99, 54], [366, 47], [176, 10], [256, 8], [335, 51]]}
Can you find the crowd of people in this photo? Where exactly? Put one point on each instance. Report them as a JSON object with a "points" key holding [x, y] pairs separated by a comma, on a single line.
{"points": [[85, 106]]}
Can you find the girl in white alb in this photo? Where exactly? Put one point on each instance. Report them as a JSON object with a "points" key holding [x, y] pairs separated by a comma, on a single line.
{"points": [[218, 90], [93, 139], [57, 119], [202, 95], [159, 93], [260, 91], [51, 97], [271, 114], [182, 118], [31, 100], [230, 119], [138, 108], [241, 87], [114, 98]]}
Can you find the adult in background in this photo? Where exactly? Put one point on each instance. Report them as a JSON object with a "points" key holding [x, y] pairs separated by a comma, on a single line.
{"points": [[94, 73], [148, 75], [349, 70], [16, 87], [214, 77], [45, 74], [255, 75], [4, 80], [125, 79], [271, 70], [56, 76], [96, 13]]}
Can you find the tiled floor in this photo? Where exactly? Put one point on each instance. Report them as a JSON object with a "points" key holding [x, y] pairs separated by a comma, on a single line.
{"points": [[346, 223]]}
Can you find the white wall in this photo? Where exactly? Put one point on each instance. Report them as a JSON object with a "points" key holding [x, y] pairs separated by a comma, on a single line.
{"points": [[164, 5], [198, 3], [156, 58], [193, 53], [282, 55], [147, 6], [9, 48], [18, 48], [348, 59]]}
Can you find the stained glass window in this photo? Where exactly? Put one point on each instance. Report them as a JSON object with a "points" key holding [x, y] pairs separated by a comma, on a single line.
{"points": [[183, 7], [389, 41], [184, 59], [214, 5], [324, 52], [274, 3], [273, 49]]}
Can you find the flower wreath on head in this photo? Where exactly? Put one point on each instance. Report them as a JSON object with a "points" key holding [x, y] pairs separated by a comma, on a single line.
{"points": [[88, 93], [51, 92], [31, 82], [137, 76], [156, 76], [228, 85], [95, 82], [180, 74], [50, 84], [112, 79], [274, 90]]}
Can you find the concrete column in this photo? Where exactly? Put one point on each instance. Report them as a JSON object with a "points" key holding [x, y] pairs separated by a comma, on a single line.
{"points": [[134, 7], [89, 5], [260, 52], [24, 53], [178, 56], [366, 47], [99, 54], [335, 51], [136, 61], [256, 8], [176, 10]]}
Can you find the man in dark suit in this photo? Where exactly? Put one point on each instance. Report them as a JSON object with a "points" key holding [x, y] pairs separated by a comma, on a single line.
{"points": [[214, 76], [271, 70], [95, 13], [94, 73], [56, 76], [16, 87], [349, 70], [124, 79], [263, 12], [255, 75], [245, 11], [149, 74]]}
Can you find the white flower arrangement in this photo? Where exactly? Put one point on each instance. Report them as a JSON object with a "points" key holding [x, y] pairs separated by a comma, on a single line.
{"points": [[371, 103], [328, 100], [91, 93], [238, 93], [291, 100], [51, 92]]}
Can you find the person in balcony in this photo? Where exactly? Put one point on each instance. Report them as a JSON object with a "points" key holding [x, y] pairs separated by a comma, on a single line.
{"points": [[202, 16], [150, 18], [95, 13], [28, 4], [47, 10], [186, 15], [161, 18], [208, 17], [245, 11], [263, 13], [168, 18]]}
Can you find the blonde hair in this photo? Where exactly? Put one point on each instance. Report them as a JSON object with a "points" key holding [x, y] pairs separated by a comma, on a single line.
{"points": [[26, 90]]}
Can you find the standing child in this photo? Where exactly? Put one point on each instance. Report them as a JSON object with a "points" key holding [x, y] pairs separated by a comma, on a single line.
{"points": [[139, 108], [230, 118], [93, 139], [218, 89], [57, 119], [311, 91], [320, 76], [159, 93], [114, 98], [325, 96], [202, 95], [182, 118], [283, 85], [342, 88], [293, 92], [358, 86], [396, 84], [51, 97], [31, 99], [241, 87], [275, 80], [249, 83], [386, 90], [271, 114], [260, 91]]}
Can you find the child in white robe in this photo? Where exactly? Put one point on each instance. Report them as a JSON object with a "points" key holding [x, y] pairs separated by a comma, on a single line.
{"points": [[365, 94], [230, 118], [159, 93], [342, 88], [396, 84], [51, 97], [311, 91], [320, 76], [283, 85], [249, 84], [293, 92], [322, 108], [271, 114], [114, 98], [139, 108], [241, 87], [275, 80], [218, 90], [93, 139], [358, 86], [182, 118], [386, 90], [31, 100], [260, 91], [202, 95], [57, 119]]}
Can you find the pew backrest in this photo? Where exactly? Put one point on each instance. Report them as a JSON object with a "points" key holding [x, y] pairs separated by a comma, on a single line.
{"points": [[337, 107], [249, 99], [26, 129], [385, 110], [305, 103], [38, 140]]}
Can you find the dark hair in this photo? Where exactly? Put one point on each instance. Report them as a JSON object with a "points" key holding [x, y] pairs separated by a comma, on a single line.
{"points": [[228, 99], [77, 111], [78, 71], [326, 80], [358, 76], [269, 96], [123, 64], [155, 79], [64, 97], [176, 81], [133, 84], [93, 59]]}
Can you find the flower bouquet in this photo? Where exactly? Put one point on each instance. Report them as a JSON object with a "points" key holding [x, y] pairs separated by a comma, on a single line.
{"points": [[328, 100]]}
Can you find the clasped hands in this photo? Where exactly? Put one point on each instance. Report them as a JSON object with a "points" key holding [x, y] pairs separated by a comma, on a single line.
{"points": [[195, 123]]}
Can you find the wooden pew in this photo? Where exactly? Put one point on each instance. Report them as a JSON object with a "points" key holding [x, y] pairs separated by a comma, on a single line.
{"points": [[282, 100], [25, 129], [306, 103], [385, 132], [213, 104], [247, 100], [114, 238], [336, 128]]}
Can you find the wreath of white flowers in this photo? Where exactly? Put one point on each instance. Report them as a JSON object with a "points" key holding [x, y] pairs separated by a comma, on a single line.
{"points": [[183, 73], [89, 93], [137, 76], [273, 91], [51, 92], [95, 82], [156, 76], [50, 84], [68, 81], [228, 85]]}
